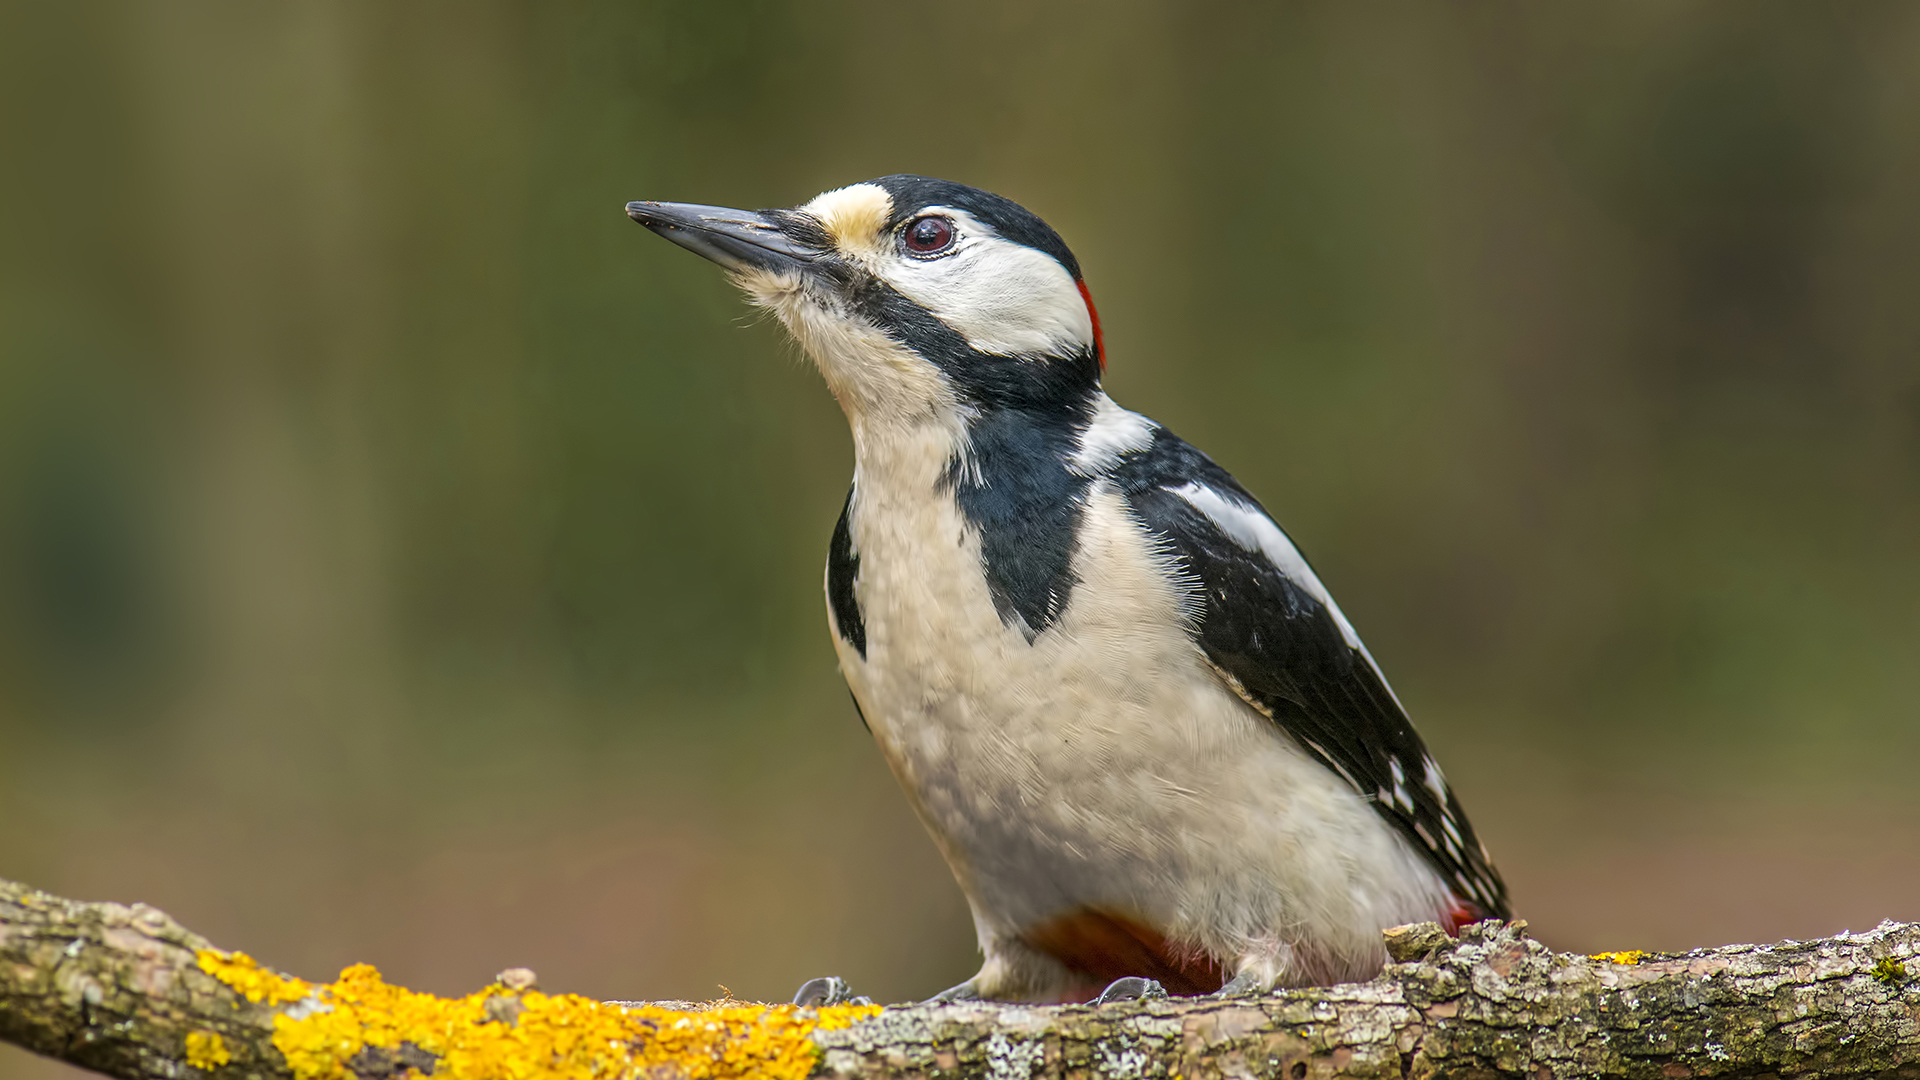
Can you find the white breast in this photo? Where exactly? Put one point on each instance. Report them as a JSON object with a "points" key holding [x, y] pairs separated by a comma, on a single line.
{"points": [[1105, 764]]}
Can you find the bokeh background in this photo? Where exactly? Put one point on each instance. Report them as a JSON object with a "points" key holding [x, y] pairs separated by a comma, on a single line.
{"points": [[404, 558]]}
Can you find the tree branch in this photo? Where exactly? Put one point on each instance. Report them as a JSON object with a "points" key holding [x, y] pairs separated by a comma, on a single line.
{"points": [[129, 992]]}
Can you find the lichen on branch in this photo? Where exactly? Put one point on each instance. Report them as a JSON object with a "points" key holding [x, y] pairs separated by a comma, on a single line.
{"points": [[128, 992], [362, 1025]]}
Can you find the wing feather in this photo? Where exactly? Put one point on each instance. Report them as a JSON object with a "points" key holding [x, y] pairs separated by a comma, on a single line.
{"points": [[1269, 626]]}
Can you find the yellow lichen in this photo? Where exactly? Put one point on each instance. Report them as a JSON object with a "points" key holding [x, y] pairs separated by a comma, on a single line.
{"points": [[207, 1050], [1628, 957], [553, 1036], [254, 982]]}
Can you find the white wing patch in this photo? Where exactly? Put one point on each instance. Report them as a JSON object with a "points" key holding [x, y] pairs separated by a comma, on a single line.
{"points": [[1114, 431], [1255, 531], [1004, 298]]}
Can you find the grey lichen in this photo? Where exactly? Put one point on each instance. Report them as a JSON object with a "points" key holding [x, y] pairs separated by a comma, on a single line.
{"points": [[1491, 1004]]}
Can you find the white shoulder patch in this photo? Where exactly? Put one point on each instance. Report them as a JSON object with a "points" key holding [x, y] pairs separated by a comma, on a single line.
{"points": [[1113, 432], [1255, 531]]}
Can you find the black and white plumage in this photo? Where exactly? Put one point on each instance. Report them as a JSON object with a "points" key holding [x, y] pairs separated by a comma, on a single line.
{"points": [[1145, 737]]}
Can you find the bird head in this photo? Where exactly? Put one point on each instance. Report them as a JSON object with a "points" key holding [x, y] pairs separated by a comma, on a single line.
{"points": [[915, 297]]}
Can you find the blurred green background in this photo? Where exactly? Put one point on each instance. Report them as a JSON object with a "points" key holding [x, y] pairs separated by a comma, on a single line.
{"points": [[404, 558]]}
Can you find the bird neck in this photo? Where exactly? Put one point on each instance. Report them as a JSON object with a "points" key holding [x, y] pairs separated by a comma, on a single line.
{"points": [[960, 447]]}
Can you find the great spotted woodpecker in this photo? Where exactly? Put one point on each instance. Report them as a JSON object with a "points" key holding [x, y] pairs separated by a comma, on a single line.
{"points": [[1147, 741]]}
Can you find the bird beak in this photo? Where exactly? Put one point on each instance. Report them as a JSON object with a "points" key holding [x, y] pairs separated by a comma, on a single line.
{"points": [[736, 239]]}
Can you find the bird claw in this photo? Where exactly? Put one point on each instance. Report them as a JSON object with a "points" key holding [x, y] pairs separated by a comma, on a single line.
{"points": [[828, 990], [1245, 984], [1131, 988], [963, 992]]}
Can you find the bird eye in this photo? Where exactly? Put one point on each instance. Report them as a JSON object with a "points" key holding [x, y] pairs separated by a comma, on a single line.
{"points": [[929, 236]]}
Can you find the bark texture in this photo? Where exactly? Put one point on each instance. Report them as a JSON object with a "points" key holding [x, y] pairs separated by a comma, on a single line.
{"points": [[120, 990]]}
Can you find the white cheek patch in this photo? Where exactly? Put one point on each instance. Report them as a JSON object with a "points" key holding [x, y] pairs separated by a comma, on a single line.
{"points": [[1003, 297]]}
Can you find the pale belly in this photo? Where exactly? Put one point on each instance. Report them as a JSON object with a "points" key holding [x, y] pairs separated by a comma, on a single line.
{"points": [[1105, 765]]}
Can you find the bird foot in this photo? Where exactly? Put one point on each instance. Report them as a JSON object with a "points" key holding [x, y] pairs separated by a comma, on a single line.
{"points": [[966, 991], [1131, 988], [828, 990], [1245, 984]]}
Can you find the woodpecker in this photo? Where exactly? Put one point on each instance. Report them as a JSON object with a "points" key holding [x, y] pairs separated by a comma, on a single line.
{"points": [[1153, 751]]}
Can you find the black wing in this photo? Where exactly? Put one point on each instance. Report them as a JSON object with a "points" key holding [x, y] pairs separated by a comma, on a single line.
{"points": [[1293, 657]]}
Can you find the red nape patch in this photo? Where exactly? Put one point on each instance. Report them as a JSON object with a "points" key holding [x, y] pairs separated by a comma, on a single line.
{"points": [[1108, 947], [1099, 343]]}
